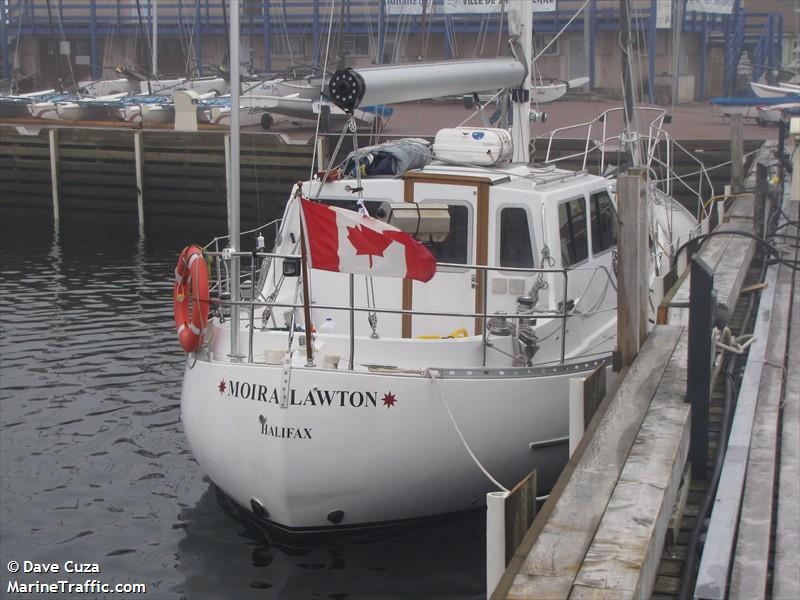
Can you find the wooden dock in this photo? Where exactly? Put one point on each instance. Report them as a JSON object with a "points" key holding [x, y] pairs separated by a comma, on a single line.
{"points": [[602, 531], [158, 177], [161, 177]]}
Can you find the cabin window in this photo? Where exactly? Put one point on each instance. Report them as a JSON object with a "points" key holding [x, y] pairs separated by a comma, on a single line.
{"points": [[515, 239], [572, 227], [455, 248], [604, 222]]}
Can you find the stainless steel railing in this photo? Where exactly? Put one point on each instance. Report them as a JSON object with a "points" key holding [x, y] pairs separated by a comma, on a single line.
{"points": [[222, 299]]}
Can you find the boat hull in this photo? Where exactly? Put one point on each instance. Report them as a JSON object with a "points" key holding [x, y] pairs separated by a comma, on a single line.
{"points": [[375, 447], [774, 91]]}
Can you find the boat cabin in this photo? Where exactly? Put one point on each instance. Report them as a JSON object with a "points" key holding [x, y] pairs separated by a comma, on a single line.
{"points": [[546, 235]]}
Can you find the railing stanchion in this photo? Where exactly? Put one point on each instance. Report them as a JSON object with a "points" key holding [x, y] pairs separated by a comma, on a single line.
{"points": [[564, 318], [352, 322], [484, 276], [603, 150], [252, 306]]}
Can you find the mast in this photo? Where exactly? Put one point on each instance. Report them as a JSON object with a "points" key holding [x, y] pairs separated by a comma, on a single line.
{"points": [[520, 25], [631, 130], [154, 8], [233, 201]]}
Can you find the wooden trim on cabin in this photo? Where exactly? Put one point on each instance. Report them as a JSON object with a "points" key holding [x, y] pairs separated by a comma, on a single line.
{"points": [[443, 178], [408, 284], [482, 185], [481, 251]]}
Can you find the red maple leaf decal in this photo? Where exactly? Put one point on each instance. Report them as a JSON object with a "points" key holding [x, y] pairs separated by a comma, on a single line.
{"points": [[222, 387], [389, 400], [367, 241]]}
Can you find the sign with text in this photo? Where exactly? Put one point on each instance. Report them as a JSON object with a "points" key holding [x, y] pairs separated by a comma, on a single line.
{"points": [[544, 5], [720, 7], [664, 14], [414, 7], [408, 7], [472, 6]]}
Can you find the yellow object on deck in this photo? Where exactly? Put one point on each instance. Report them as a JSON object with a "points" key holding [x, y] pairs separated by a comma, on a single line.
{"points": [[461, 332]]}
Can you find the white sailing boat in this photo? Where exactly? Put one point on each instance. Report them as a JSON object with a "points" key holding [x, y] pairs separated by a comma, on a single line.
{"points": [[326, 389], [763, 90]]}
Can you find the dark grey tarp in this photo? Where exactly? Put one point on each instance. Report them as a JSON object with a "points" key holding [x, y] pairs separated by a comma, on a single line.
{"points": [[390, 158]]}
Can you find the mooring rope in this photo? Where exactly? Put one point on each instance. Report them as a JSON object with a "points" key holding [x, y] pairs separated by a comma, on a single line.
{"points": [[435, 379]]}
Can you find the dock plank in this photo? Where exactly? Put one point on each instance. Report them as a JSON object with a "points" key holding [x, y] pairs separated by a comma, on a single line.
{"points": [[624, 556], [550, 563], [716, 560], [750, 566], [786, 575]]}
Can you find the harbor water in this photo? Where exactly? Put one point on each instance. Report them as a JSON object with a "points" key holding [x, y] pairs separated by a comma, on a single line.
{"points": [[95, 468]]}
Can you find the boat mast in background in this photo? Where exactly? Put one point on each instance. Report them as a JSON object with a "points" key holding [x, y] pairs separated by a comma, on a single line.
{"points": [[233, 191], [631, 129], [520, 25], [154, 53]]}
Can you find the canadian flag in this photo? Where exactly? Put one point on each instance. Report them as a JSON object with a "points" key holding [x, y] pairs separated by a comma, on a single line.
{"points": [[343, 240]]}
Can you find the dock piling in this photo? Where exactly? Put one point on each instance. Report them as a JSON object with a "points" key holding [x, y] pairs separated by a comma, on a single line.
{"points": [[632, 285], [702, 303], [737, 153], [54, 173], [138, 155], [761, 207]]}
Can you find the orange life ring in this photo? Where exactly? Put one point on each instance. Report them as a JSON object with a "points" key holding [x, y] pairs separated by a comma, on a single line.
{"points": [[191, 316]]}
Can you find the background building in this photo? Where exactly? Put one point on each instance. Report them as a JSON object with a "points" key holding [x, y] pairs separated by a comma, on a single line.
{"points": [[47, 41]]}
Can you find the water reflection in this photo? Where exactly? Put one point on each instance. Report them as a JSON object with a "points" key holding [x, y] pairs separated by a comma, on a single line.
{"points": [[438, 558]]}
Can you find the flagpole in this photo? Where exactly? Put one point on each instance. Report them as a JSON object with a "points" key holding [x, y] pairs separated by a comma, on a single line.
{"points": [[306, 298]]}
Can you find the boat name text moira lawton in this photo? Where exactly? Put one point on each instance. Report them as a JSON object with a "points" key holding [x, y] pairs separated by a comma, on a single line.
{"points": [[314, 397]]}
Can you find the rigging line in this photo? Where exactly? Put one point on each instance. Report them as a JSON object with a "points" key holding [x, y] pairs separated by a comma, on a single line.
{"points": [[64, 38], [641, 42], [182, 39], [226, 59], [500, 27], [140, 27], [56, 50], [16, 48], [322, 87], [563, 29]]}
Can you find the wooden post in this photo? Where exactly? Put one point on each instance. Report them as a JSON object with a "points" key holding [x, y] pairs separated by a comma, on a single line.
{"points": [[585, 395], [520, 512], [509, 515], [794, 130], [138, 154], [737, 153], [781, 149], [54, 172], [702, 303], [643, 256], [632, 264]]}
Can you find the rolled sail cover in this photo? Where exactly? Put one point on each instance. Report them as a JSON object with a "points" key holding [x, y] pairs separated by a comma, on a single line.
{"points": [[353, 88]]}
